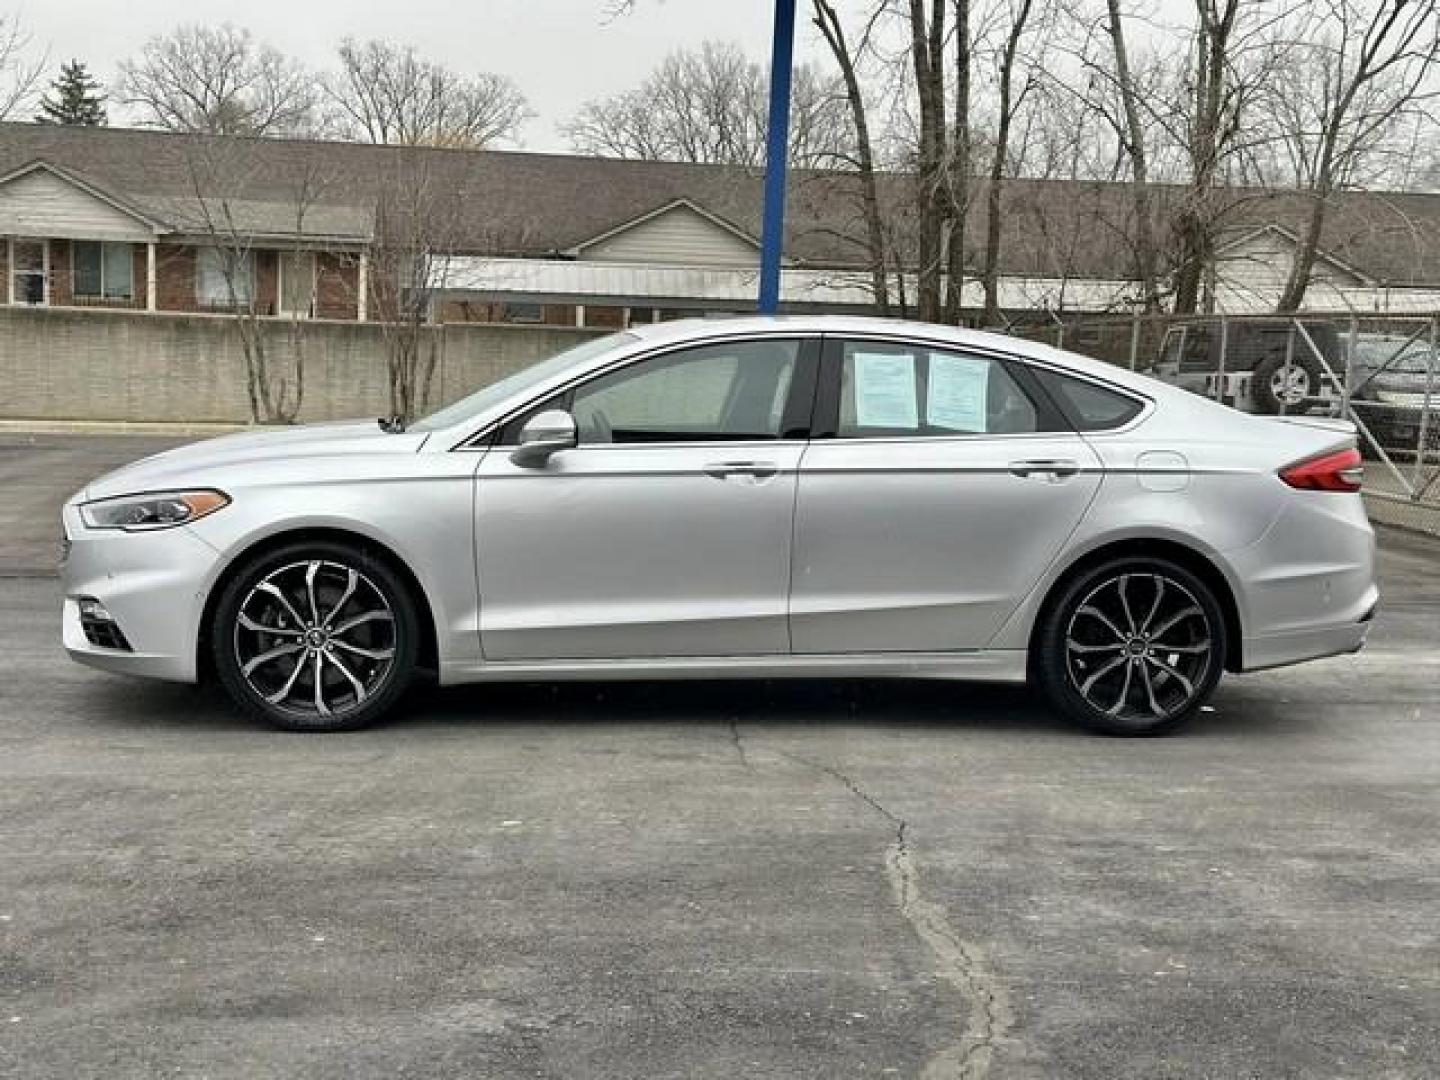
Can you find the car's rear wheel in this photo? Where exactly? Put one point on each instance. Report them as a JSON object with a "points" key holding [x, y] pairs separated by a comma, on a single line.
{"points": [[1132, 647], [315, 637]]}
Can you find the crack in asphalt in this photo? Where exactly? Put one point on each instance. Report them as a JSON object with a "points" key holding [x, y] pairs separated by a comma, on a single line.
{"points": [[738, 741], [960, 963]]}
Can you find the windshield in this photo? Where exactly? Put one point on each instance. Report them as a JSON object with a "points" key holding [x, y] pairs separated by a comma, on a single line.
{"points": [[1375, 357], [468, 408]]}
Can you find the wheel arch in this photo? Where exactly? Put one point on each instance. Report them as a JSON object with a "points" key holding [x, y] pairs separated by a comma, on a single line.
{"points": [[1191, 558], [429, 651]]}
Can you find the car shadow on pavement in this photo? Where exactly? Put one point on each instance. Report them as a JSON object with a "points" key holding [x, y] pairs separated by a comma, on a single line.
{"points": [[910, 703], [894, 704], [143, 705], [140, 705]]}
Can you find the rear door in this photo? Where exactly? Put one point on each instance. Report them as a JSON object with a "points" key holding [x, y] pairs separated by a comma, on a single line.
{"points": [[940, 486]]}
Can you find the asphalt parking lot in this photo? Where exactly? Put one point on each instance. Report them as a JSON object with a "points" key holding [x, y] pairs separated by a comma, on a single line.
{"points": [[713, 880]]}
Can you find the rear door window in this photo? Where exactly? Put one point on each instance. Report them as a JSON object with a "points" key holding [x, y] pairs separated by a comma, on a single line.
{"points": [[889, 390], [1091, 407]]}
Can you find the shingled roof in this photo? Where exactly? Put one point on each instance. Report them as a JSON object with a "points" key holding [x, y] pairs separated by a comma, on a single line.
{"points": [[538, 205]]}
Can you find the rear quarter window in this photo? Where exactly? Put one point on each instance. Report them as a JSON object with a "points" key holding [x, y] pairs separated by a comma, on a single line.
{"points": [[1091, 407]]}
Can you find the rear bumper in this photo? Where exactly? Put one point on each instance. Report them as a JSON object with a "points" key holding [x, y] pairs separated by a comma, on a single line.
{"points": [[1297, 646], [1308, 586]]}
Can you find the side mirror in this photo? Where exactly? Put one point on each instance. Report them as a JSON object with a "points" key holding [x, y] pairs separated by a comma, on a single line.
{"points": [[545, 434]]}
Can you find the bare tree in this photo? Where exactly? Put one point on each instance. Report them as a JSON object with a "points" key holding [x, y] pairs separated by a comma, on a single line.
{"points": [[417, 230], [821, 135], [710, 105], [1009, 102], [958, 174], [19, 75], [1133, 134], [1355, 76], [221, 177], [1053, 135], [217, 80], [828, 22], [927, 59], [1182, 110], [386, 93], [1206, 142], [1236, 49]]}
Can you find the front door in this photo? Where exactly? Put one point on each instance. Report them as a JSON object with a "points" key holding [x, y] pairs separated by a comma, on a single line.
{"points": [[944, 488], [667, 530]]}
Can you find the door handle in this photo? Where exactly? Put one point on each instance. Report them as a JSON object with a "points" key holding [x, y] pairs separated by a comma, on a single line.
{"points": [[1053, 468], [723, 470]]}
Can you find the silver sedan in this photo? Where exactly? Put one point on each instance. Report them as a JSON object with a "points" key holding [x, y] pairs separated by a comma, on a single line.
{"points": [[741, 498]]}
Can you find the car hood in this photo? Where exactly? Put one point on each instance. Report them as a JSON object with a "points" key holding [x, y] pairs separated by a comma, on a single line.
{"points": [[188, 465], [1411, 381]]}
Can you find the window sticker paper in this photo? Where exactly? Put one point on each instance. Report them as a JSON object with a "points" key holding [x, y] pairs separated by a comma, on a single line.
{"points": [[959, 392], [885, 394]]}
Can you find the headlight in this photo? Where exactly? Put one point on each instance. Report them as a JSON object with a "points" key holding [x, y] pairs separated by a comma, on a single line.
{"points": [[152, 510]]}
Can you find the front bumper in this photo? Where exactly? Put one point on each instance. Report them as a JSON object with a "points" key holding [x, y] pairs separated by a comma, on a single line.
{"points": [[154, 585]]}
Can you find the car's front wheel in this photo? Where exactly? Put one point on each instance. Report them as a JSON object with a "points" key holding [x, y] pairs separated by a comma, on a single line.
{"points": [[315, 637], [1132, 647]]}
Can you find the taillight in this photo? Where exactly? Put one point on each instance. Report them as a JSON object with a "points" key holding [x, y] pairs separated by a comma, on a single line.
{"points": [[1338, 470]]}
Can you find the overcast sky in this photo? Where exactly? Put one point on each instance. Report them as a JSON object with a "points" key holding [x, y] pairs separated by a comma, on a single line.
{"points": [[560, 52]]}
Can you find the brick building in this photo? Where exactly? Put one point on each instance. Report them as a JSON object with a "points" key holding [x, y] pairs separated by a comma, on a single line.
{"points": [[151, 221]]}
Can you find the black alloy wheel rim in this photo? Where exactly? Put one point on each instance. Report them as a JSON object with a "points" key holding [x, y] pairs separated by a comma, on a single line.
{"points": [[315, 639], [1138, 647]]}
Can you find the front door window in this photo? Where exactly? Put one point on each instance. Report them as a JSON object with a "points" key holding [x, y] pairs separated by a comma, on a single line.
{"points": [[28, 259], [724, 392]]}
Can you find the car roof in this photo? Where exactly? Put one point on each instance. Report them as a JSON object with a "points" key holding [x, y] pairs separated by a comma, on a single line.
{"points": [[645, 337], [680, 331], [685, 329], [677, 331]]}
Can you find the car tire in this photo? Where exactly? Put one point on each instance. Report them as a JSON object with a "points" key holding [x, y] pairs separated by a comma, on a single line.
{"points": [[1134, 646], [313, 613], [1270, 397]]}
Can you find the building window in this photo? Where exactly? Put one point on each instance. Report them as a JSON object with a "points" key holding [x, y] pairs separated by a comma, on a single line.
{"points": [[297, 283], [526, 313], [29, 269], [224, 278], [103, 271]]}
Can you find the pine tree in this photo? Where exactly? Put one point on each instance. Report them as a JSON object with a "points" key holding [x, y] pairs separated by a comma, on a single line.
{"points": [[76, 99]]}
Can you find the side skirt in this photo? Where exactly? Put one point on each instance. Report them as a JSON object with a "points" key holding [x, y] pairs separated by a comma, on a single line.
{"points": [[991, 665]]}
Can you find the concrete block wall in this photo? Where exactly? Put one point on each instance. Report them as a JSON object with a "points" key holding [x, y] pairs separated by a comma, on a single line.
{"points": [[142, 367]]}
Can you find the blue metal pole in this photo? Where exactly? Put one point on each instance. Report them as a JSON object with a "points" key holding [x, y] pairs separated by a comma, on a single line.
{"points": [[776, 147]]}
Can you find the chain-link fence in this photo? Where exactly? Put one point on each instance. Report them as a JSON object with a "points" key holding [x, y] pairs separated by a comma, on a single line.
{"points": [[1380, 372]]}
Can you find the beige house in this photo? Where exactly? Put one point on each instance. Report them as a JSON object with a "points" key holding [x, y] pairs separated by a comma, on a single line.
{"points": [[72, 242], [150, 221]]}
